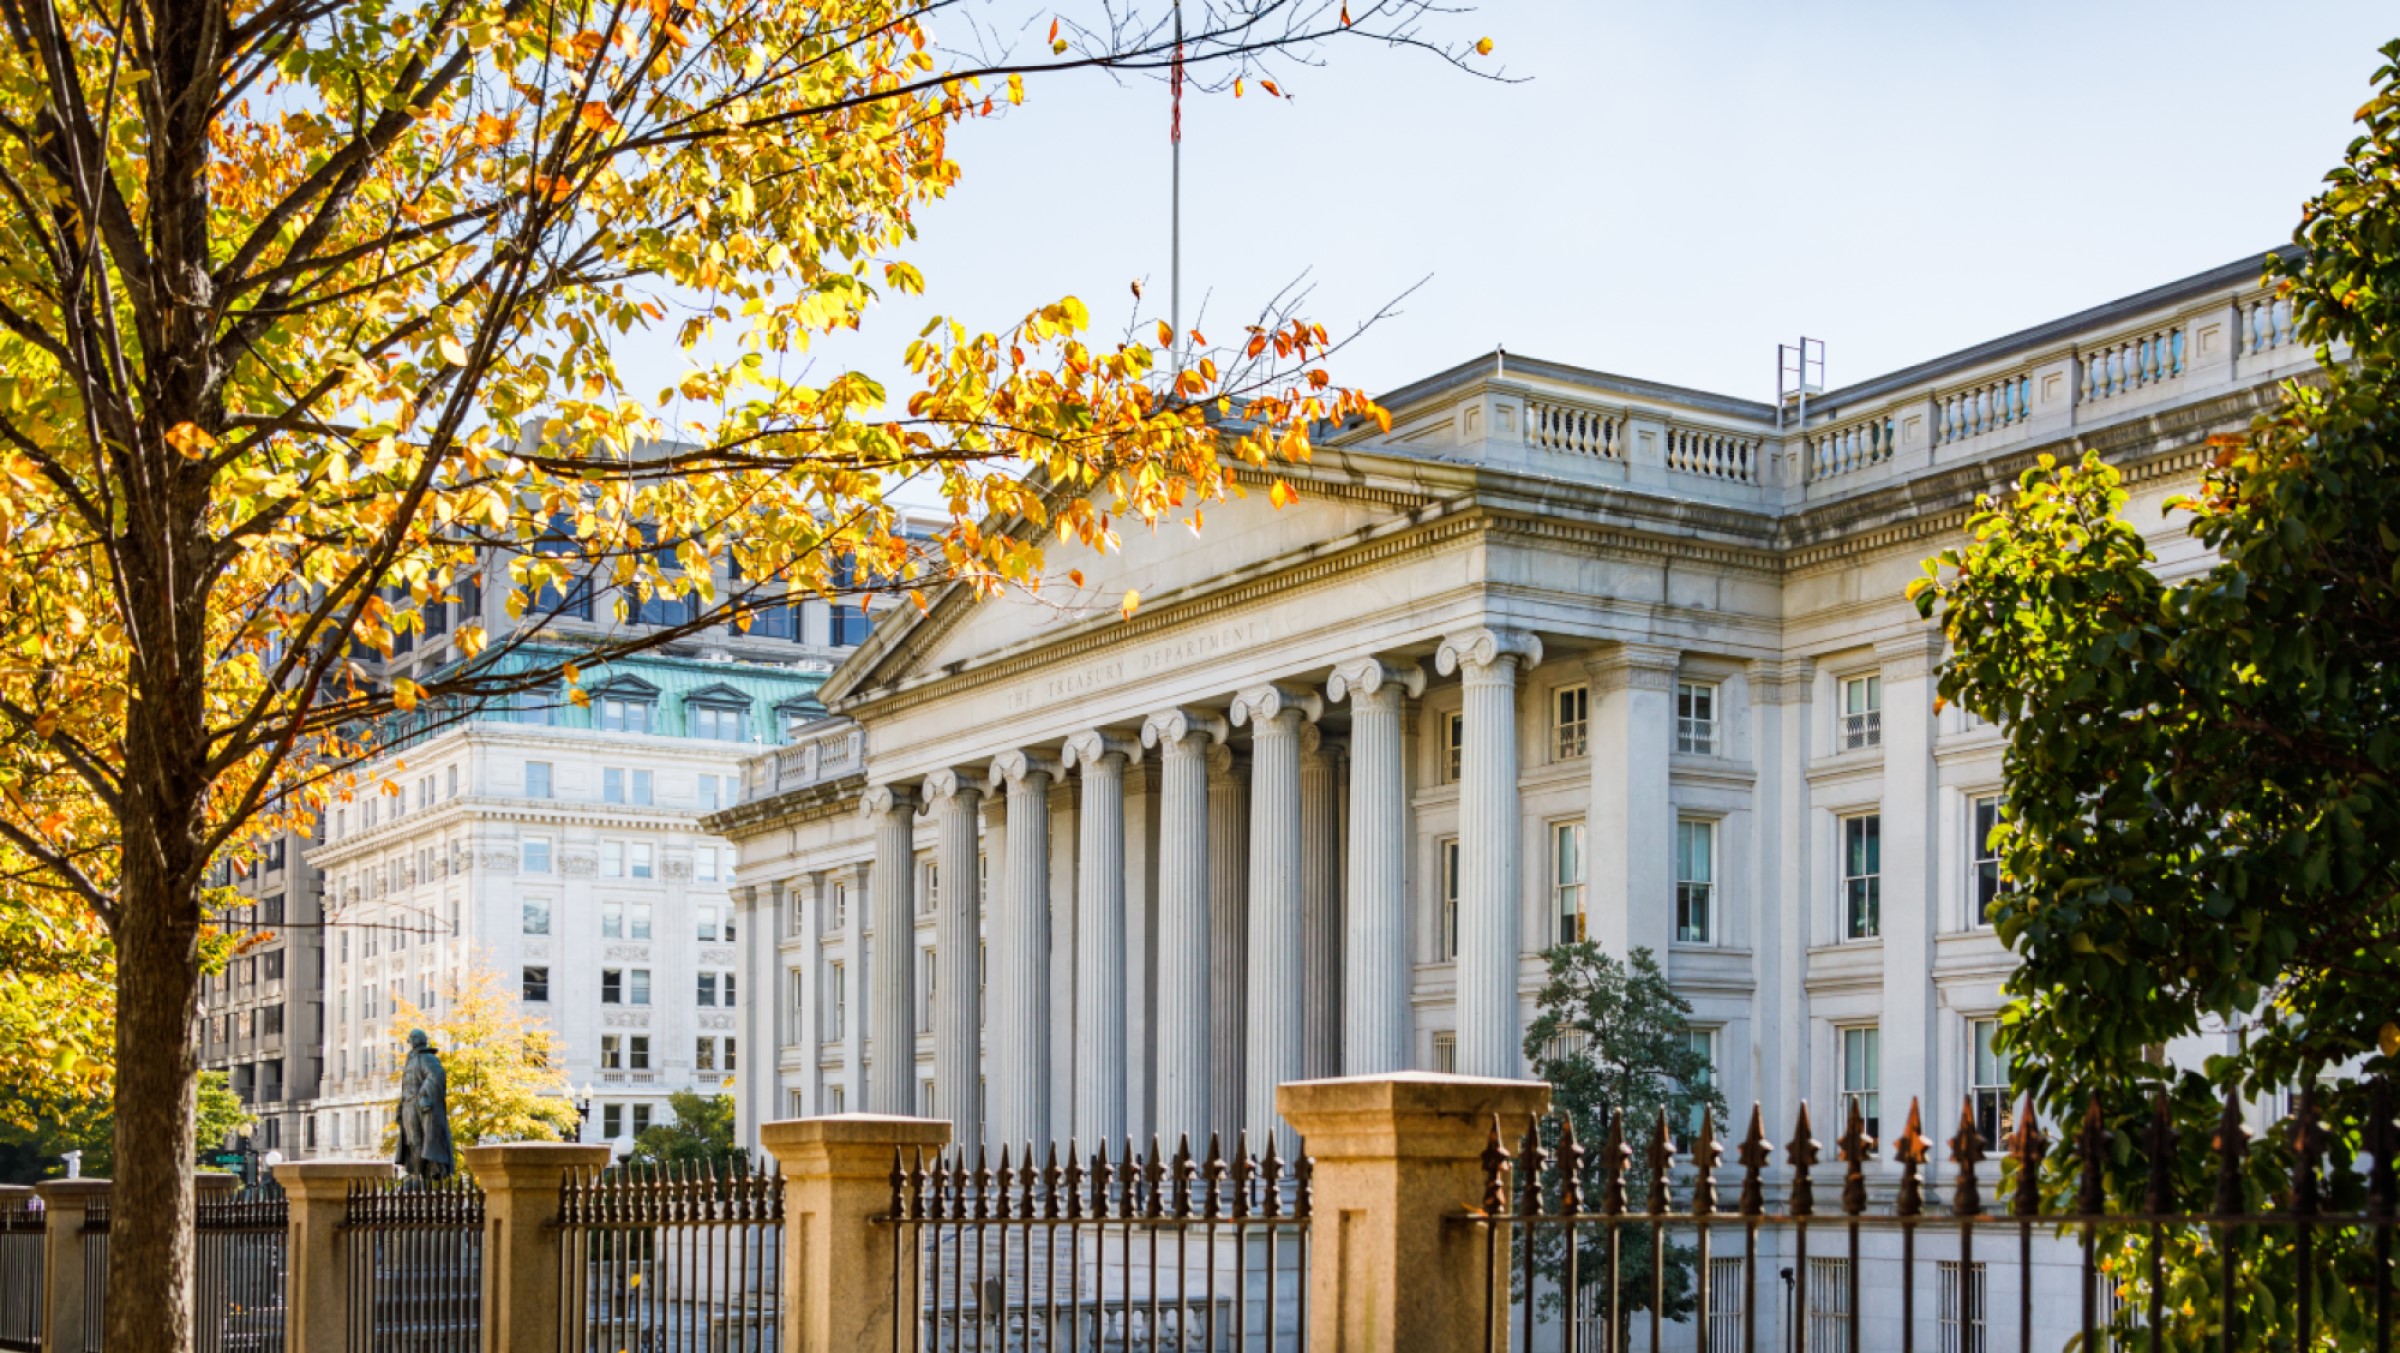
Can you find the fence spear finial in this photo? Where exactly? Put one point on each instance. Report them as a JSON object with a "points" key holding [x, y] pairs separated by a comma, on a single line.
{"points": [[1661, 1160], [1495, 1170], [1966, 1152], [1857, 1148], [1706, 1154], [1755, 1156], [2091, 1146], [2232, 1144], [2158, 1191], [1910, 1152], [1802, 1154], [2026, 1148], [1571, 1154]]}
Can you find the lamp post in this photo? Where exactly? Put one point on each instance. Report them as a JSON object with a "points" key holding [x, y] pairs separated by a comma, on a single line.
{"points": [[583, 1108]]}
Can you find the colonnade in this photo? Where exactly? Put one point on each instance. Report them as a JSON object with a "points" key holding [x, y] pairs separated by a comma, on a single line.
{"points": [[1282, 909]]}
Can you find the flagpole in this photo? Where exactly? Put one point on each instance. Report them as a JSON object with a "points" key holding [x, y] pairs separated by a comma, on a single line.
{"points": [[1175, 206]]}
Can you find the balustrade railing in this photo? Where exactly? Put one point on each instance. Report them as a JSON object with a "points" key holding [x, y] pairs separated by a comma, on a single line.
{"points": [[24, 1233], [1711, 454], [1851, 447], [1151, 1252], [1578, 428], [2266, 323], [413, 1254], [2131, 364], [681, 1259], [1985, 407]]}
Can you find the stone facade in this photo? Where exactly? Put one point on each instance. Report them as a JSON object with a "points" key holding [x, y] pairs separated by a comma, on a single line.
{"points": [[1563, 653]]}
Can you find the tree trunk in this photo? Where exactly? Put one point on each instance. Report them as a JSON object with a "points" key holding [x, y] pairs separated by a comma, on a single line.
{"points": [[150, 1250]]}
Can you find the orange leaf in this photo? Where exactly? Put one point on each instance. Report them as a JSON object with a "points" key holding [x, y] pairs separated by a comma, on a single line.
{"points": [[1166, 335], [597, 117]]}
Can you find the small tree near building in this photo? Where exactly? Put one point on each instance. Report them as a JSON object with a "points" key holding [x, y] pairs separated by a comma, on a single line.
{"points": [[701, 1134], [505, 1080], [1615, 1042]]}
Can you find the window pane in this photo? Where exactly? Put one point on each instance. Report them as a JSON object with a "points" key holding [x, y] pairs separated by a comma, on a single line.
{"points": [[641, 986], [612, 785], [537, 918]]}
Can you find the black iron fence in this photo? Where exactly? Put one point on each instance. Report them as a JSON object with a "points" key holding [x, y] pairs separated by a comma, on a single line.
{"points": [[95, 1276], [1146, 1252], [23, 1237], [413, 1253], [680, 1259], [241, 1268], [1578, 1263]]}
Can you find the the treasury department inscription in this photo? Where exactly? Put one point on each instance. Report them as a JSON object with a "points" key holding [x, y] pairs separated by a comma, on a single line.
{"points": [[1162, 657]]}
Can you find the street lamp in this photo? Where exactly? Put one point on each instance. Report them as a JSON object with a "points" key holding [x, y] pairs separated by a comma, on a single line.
{"points": [[583, 1109]]}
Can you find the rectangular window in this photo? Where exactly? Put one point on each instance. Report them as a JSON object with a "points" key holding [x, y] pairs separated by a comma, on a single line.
{"points": [[1828, 1303], [642, 783], [612, 859], [537, 984], [612, 1121], [639, 987], [1986, 884], [841, 905], [1862, 1078], [1570, 723], [1987, 1081], [704, 863], [1446, 940], [708, 794], [1695, 881], [708, 988], [641, 1119], [537, 917], [637, 861], [612, 1052], [1862, 876], [1454, 747], [1704, 1042], [1696, 718], [626, 716], [637, 921], [612, 987], [639, 1055], [1445, 1052], [533, 854], [612, 920], [704, 1055], [838, 988], [612, 784], [729, 1066], [537, 780], [704, 924], [1862, 713], [722, 725], [929, 888], [728, 989], [1959, 1306], [1567, 879]]}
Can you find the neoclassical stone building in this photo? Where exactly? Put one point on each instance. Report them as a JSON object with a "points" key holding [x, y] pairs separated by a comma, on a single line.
{"points": [[1564, 653]]}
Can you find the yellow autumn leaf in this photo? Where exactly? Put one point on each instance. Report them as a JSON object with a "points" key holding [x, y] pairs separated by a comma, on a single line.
{"points": [[1016, 89], [404, 694], [2388, 1039], [190, 440], [1133, 598], [1483, 47], [451, 351]]}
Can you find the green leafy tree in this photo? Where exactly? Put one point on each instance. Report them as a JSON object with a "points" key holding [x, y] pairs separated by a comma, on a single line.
{"points": [[33, 1141], [502, 1066], [2202, 773], [1614, 1041], [701, 1133]]}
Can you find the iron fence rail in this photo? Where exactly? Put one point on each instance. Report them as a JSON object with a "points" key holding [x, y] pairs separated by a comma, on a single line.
{"points": [[94, 1239], [413, 1257], [24, 1232], [677, 1259], [1148, 1251], [1548, 1212], [241, 1266]]}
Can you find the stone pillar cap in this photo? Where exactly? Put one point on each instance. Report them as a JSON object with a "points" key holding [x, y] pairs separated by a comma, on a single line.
{"points": [[495, 1162], [216, 1181], [1407, 1113], [293, 1172], [56, 1190]]}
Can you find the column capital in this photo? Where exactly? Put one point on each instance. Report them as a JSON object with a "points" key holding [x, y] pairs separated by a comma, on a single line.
{"points": [[1093, 745], [945, 788], [1912, 656], [1485, 648], [1640, 667], [881, 799], [1782, 681], [1224, 761], [1367, 676], [1014, 767], [1272, 700], [1180, 723]]}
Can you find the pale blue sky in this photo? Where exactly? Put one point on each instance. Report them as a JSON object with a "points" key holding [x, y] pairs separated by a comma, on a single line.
{"points": [[1677, 187]]}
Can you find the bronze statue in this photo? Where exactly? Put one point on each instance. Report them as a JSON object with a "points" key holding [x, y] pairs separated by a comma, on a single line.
{"points": [[424, 1113]]}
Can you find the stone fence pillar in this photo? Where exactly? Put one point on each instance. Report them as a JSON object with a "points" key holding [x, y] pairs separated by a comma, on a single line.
{"points": [[65, 1204], [1397, 1157], [316, 1297], [841, 1292], [520, 1247]]}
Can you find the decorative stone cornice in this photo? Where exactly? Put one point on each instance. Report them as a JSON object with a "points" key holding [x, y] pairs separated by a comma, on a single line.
{"points": [[1485, 648], [1175, 725], [1015, 766], [1089, 747], [1272, 700], [1634, 667], [879, 800], [1367, 676], [1911, 657]]}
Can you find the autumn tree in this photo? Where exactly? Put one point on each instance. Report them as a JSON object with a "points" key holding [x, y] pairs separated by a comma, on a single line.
{"points": [[2203, 781], [311, 319], [505, 1072]]}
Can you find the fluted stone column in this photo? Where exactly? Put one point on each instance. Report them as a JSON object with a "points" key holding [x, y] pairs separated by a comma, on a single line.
{"points": [[1490, 904], [1320, 904], [1019, 990], [1375, 967], [1228, 938], [957, 803], [1631, 840], [1184, 738], [891, 1076], [1100, 956], [1277, 1005]]}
